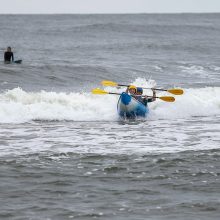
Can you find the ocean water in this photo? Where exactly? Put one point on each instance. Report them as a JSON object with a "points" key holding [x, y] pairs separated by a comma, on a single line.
{"points": [[65, 154]]}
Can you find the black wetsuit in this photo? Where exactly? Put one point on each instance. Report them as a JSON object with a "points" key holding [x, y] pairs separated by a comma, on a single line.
{"points": [[9, 56]]}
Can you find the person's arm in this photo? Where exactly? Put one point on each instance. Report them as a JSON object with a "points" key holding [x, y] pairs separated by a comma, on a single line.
{"points": [[145, 100], [154, 95], [153, 98]]}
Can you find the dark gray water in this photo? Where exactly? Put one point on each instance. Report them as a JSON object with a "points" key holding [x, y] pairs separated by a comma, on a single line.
{"points": [[64, 154]]}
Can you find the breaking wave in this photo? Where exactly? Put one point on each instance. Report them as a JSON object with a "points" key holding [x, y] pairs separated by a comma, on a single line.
{"points": [[19, 106]]}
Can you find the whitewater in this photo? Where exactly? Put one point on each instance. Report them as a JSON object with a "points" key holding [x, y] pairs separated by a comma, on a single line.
{"points": [[18, 106], [65, 153]]}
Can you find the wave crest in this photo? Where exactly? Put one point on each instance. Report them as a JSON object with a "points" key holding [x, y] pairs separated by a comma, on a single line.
{"points": [[18, 106]]}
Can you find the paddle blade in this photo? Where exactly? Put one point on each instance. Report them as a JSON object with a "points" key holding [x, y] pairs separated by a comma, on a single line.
{"points": [[167, 98], [98, 91], [175, 91], [109, 83]]}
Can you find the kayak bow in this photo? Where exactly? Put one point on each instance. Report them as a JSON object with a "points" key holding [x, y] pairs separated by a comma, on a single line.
{"points": [[129, 107]]}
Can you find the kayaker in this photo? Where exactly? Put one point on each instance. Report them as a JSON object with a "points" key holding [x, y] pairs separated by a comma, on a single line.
{"points": [[132, 90], [8, 56], [137, 93], [147, 99]]}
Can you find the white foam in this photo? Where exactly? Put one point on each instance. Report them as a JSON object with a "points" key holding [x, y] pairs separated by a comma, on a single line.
{"points": [[194, 70], [194, 102], [200, 71], [17, 105]]}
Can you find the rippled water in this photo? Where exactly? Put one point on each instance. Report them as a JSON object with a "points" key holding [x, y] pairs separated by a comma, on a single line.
{"points": [[111, 170]]}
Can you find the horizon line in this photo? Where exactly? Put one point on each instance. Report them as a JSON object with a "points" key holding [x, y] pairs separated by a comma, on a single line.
{"points": [[121, 13]]}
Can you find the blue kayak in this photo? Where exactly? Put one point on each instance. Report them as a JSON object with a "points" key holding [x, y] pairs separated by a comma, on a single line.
{"points": [[129, 107]]}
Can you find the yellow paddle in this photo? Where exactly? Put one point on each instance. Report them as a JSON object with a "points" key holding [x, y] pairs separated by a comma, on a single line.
{"points": [[98, 91], [172, 91]]}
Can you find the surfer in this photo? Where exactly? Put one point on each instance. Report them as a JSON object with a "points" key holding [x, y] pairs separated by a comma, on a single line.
{"points": [[8, 56], [137, 93]]}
